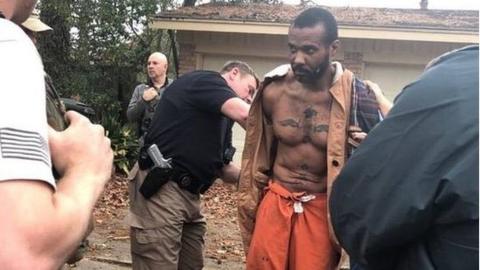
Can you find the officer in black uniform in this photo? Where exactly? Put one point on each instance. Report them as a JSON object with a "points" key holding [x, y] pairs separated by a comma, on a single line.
{"points": [[190, 126]]}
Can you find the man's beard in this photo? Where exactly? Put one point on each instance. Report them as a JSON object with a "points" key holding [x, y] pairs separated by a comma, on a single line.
{"points": [[308, 76]]}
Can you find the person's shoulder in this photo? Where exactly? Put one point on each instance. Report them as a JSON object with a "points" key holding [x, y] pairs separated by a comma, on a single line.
{"points": [[450, 76], [10, 31], [274, 80], [451, 54], [278, 73], [15, 42], [196, 75], [12, 34], [208, 78], [168, 81], [204, 75], [140, 86], [19, 57]]}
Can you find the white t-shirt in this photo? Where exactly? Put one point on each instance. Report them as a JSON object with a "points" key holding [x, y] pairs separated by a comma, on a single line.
{"points": [[24, 152]]}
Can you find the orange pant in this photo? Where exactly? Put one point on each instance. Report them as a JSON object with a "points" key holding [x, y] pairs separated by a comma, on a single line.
{"points": [[284, 239]]}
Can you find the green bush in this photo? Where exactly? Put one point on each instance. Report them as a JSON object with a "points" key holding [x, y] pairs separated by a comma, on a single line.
{"points": [[123, 138]]}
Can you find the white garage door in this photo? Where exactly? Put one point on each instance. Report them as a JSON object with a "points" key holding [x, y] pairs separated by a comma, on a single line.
{"points": [[259, 64], [392, 77]]}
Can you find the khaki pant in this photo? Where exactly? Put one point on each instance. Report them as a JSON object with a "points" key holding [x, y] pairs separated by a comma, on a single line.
{"points": [[167, 231]]}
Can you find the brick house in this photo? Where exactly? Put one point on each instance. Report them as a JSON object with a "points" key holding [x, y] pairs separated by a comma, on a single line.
{"points": [[388, 46]]}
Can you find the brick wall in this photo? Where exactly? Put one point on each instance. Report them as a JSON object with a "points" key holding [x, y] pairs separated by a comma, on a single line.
{"points": [[354, 62], [187, 59]]}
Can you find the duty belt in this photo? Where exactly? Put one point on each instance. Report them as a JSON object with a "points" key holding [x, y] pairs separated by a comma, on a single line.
{"points": [[187, 182]]}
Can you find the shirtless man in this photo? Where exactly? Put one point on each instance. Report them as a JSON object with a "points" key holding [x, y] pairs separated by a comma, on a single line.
{"points": [[296, 144]]}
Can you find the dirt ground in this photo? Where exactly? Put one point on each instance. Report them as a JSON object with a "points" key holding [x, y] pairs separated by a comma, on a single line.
{"points": [[109, 246]]}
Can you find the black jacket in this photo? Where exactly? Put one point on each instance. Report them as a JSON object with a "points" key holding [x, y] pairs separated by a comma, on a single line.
{"points": [[408, 197]]}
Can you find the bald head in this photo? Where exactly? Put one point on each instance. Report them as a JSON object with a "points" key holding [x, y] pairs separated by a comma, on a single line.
{"points": [[158, 56], [157, 67]]}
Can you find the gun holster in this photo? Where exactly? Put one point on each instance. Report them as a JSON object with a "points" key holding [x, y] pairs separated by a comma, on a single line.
{"points": [[144, 161], [155, 179]]}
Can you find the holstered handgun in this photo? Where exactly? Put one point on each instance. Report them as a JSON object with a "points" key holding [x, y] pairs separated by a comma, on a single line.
{"points": [[159, 175], [144, 161], [155, 179]]}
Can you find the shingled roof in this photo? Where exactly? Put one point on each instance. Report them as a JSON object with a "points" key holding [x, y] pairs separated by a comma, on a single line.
{"points": [[453, 20]]}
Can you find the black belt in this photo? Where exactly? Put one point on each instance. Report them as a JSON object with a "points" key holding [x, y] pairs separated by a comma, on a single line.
{"points": [[183, 178], [187, 182]]}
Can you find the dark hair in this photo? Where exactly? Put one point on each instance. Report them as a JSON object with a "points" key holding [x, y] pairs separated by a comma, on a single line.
{"points": [[242, 66], [314, 16]]}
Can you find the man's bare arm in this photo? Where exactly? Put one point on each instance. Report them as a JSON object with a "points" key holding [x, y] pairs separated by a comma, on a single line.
{"points": [[269, 98], [44, 226], [237, 110], [230, 174], [383, 103]]}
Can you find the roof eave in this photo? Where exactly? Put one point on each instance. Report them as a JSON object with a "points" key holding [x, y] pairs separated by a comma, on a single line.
{"points": [[345, 31]]}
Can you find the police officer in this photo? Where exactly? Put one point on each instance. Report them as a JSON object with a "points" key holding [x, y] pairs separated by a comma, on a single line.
{"points": [[46, 220], [145, 97], [190, 126], [55, 114]]}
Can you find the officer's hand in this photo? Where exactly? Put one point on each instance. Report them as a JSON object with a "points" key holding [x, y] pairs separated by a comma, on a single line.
{"points": [[359, 136], [375, 88], [383, 103], [82, 149], [356, 133], [149, 94]]}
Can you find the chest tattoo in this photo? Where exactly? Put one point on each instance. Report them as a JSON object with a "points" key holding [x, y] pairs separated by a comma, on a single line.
{"points": [[308, 125], [290, 122], [321, 128], [310, 113]]}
